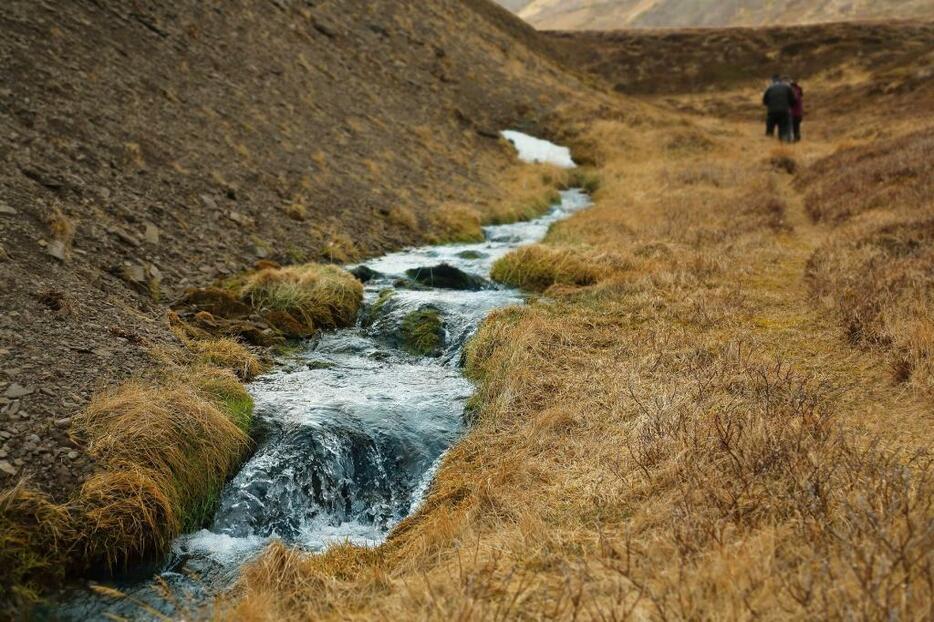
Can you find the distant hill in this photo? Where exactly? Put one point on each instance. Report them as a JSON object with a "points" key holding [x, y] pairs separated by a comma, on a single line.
{"points": [[616, 14]]}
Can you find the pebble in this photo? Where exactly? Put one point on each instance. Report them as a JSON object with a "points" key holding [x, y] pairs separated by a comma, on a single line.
{"points": [[63, 423], [73, 455], [15, 391], [8, 468], [6, 210]]}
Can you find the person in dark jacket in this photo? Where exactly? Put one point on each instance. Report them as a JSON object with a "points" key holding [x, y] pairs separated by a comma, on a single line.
{"points": [[778, 99], [797, 111]]}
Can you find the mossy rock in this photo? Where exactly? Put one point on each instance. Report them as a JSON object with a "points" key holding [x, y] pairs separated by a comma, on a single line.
{"points": [[471, 255], [380, 306], [423, 332]]}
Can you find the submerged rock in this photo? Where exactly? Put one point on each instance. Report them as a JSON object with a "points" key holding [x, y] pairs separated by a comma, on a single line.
{"points": [[365, 274], [446, 276], [422, 332]]}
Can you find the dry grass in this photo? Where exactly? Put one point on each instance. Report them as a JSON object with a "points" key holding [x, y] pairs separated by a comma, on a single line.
{"points": [[181, 440], [538, 267], [894, 174], [227, 354], [320, 296], [685, 437], [453, 222], [36, 536]]}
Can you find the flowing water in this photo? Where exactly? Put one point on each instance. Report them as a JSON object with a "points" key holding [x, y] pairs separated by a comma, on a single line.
{"points": [[351, 428]]}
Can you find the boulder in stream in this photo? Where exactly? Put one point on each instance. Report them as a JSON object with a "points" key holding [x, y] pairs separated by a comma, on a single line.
{"points": [[446, 276]]}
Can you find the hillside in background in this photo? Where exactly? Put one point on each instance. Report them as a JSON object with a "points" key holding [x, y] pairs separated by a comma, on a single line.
{"points": [[616, 14]]}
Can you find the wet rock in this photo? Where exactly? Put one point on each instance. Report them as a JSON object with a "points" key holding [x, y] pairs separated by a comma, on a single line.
{"points": [[319, 365], [446, 276], [16, 391], [365, 274], [471, 255], [422, 332], [216, 301]]}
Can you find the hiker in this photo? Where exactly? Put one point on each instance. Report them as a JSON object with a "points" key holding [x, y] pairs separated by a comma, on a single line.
{"points": [[778, 99], [797, 111]]}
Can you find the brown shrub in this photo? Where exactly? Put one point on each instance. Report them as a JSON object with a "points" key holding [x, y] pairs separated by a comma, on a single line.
{"points": [[881, 285], [897, 173]]}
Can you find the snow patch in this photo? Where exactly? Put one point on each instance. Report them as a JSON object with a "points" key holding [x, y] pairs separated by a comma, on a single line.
{"points": [[538, 151]]}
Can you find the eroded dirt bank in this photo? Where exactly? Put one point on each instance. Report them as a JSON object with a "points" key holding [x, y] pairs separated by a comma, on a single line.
{"points": [[149, 147]]}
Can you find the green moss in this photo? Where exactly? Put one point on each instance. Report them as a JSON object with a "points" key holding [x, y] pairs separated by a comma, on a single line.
{"points": [[423, 332], [231, 397]]}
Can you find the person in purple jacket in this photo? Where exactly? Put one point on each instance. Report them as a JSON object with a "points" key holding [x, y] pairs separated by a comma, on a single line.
{"points": [[797, 111]]}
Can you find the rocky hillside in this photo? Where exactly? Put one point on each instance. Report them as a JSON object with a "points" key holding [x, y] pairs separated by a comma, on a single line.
{"points": [[149, 147], [616, 14]]}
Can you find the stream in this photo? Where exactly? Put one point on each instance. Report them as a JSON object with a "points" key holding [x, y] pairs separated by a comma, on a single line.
{"points": [[351, 427]]}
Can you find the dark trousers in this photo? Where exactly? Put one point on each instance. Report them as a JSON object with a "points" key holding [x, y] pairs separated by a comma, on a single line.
{"points": [[780, 121], [796, 128]]}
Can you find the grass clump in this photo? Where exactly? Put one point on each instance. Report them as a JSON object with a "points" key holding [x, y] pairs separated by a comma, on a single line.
{"points": [[166, 451], [423, 332], [455, 222], [587, 179], [227, 354], [36, 539], [320, 296], [538, 267], [223, 388]]}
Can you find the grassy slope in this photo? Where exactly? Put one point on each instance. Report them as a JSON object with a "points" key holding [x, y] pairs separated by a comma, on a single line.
{"points": [[694, 436]]}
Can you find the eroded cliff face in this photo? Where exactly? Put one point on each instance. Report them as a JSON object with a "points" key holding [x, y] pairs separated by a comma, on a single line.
{"points": [[602, 15], [148, 147]]}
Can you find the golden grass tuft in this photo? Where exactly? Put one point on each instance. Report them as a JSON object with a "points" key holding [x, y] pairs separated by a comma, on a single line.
{"points": [[454, 222], [538, 267], [128, 514], [321, 296], [36, 539], [179, 437], [227, 354]]}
